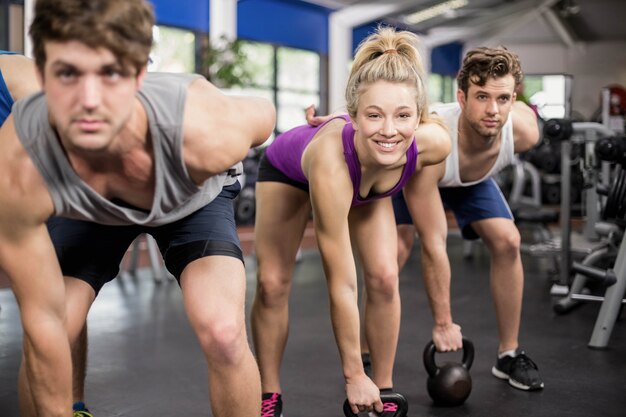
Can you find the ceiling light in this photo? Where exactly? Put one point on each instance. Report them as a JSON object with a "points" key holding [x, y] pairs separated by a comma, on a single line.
{"points": [[569, 8], [434, 11]]}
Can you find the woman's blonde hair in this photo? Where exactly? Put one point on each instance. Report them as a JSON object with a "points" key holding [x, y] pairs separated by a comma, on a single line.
{"points": [[388, 55]]}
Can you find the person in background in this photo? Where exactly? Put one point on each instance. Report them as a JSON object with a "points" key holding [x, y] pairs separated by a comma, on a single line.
{"points": [[488, 126]]}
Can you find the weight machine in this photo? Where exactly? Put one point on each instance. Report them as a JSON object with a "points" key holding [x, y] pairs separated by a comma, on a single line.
{"points": [[576, 142], [612, 150]]}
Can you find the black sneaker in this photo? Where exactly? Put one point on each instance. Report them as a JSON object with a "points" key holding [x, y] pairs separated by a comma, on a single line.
{"points": [[521, 372], [367, 364], [271, 405]]}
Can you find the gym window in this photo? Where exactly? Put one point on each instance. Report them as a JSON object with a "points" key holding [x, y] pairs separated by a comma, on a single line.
{"points": [[550, 94], [12, 25], [174, 50], [289, 77], [441, 88]]}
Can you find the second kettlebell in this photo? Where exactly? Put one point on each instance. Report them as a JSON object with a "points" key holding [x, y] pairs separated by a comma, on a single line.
{"points": [[450, 383]]}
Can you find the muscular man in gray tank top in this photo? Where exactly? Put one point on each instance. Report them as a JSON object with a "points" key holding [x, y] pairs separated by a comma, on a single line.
{"points": [[117, 153]]}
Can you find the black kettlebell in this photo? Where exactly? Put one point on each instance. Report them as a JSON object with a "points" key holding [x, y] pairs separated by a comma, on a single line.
{"points": [[391, 397], [449, 384]]}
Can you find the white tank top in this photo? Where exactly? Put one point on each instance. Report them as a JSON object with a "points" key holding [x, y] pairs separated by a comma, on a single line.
{"points": [[450, 113]]}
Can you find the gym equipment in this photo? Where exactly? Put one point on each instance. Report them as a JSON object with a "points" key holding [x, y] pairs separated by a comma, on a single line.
{"points": [[586, 135], [580, 172], [558, 129], [449, 384], [525, 185], [611, 303], [521, 184], [245, 203], [525, 201], [147, 242], [612, 109], [615, 281], [391, 397], [610, 149], [546, 157], [594, 272], [613, 149]]}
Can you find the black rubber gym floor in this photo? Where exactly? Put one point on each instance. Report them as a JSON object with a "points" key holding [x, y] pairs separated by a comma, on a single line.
{"points": [[145, 361]]}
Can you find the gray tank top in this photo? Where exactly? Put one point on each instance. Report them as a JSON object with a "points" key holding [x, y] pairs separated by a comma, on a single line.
{"points": [[176, 195]]}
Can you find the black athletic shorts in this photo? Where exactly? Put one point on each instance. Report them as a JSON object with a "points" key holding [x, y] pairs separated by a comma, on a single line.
{"points": [[92, 252], [268, 172]]}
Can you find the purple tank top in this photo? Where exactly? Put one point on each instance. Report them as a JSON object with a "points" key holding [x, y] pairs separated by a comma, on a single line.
{"points": [[285, 154]]}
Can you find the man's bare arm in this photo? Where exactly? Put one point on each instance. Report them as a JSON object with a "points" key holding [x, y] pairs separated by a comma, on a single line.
{"points": [[525, 128], [29, 259], [433, 143], [220, 129], [19, 75]]}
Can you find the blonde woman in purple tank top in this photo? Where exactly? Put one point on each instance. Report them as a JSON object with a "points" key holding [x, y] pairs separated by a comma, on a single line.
{"points": [[343, 173]]}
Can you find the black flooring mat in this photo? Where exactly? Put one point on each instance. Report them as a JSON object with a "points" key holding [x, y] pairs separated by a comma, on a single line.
{"points": [[145, 361]]}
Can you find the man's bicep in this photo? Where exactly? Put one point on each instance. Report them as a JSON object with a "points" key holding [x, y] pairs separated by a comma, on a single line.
{"points": [[26, 250], [525, 127], [257, 116]]}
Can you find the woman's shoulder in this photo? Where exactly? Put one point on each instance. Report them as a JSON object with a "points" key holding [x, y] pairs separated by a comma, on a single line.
{"points": [[331, 132], [324, 153]]}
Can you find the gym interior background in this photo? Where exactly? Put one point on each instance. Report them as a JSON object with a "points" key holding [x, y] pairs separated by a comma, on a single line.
{"points": [[296, 53]]}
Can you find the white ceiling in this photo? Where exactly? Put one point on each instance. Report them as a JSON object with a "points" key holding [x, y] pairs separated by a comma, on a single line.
{"points": [[529, 21]]}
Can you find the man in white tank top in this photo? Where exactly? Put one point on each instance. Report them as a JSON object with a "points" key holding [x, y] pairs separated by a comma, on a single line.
{"points": [[111, 132], [487, 126]]}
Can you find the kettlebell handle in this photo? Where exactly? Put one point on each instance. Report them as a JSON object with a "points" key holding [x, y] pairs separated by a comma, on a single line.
{"points": [[429, 356], [391, 397]]}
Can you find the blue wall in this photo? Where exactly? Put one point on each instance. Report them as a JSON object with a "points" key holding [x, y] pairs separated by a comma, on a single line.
{"points": [[446, 59], [187, 14], [286, 23], [361, 32], [283, 22]]}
